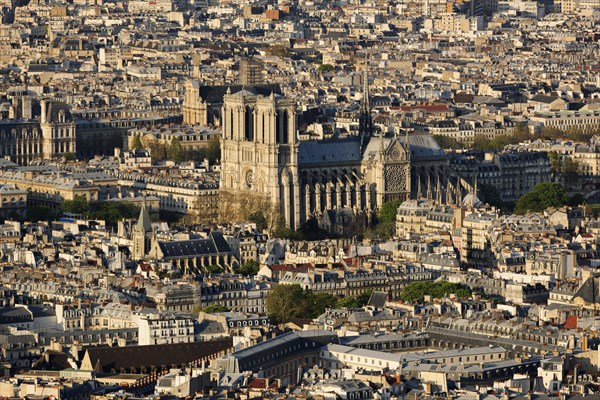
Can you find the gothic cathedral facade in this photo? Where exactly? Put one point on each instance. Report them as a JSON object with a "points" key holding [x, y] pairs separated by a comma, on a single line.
{"points": [[261, 154]]}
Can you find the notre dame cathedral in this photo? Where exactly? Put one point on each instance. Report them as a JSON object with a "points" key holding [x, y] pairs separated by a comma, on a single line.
{"points": [[261, 154]]}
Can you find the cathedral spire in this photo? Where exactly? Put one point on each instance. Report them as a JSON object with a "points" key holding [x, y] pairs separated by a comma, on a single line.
{"points": [[449, 193], [407, 145], [458, 193], [365, 124], [429, 192]]}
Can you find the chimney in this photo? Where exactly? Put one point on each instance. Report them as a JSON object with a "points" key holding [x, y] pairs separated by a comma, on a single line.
{"points": [[43, 107], [27, 112]]}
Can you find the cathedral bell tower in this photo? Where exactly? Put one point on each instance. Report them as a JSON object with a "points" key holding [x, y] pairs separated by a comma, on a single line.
{"points": [[259, 149]]}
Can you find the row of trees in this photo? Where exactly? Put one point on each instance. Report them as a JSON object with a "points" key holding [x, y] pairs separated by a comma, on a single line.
{"points": [[111, 212], [519, 134], [546, 195], [286, 302], [416, 291], [174, 151]]}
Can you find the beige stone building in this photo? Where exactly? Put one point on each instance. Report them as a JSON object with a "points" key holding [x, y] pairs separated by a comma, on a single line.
{"points": [[49, 189]]}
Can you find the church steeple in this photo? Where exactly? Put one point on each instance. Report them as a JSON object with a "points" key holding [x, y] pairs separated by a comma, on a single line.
{"points": [[365, 122], [142, 234], [144, 223]]}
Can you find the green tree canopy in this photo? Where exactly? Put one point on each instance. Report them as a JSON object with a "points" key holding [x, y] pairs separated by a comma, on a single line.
{"points": [[386, 227], [317, 303], [214, 269], [112, 212], [285, 302], [543, 195], [446, 142], [213, 150], [388, 212], [355, 301], [326, 68], [418, 290], [249, 268], [215, 308], [175, 151], [79, 205], [310, 230]]}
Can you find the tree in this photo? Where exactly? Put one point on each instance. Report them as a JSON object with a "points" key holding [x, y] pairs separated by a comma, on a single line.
{"points": [[136, 143], [491, 195], [543, 195], [563, 165], [446, 142], [41, 213], [417, 290], [259, 219], [576, 200], [285, 302], [175, 151], [79, 205], [355, 301], [112, 212], [386, 227], [283, 232], [158, 151], [213, 150], [250, 267], [326, 68], [215, 308], [310, 230], [521, 132], [388, 211], [214, 269], [318, 303]]}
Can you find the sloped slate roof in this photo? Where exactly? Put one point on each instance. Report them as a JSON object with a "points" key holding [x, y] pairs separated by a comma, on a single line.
{"points": [[338, 151], [214, 244]]}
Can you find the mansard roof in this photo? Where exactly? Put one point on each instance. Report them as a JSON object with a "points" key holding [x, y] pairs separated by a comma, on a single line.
{"points": [[214, 244]]}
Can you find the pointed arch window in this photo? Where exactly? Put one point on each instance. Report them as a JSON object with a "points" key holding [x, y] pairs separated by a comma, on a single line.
{"points": [[249, 124]]}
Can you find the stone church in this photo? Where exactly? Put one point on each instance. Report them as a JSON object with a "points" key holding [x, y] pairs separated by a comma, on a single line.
{"points": [[261, 154]]}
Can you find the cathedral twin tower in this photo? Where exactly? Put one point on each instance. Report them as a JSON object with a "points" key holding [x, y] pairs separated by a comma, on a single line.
{"points": [[259, 149]]}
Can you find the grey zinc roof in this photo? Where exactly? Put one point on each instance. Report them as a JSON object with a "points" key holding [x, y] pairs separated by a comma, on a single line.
{"points": [[339, 151], [190, 248]]}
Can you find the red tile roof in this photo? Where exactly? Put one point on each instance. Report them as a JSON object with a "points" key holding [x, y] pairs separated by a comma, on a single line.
{"points": [[571, 322]]}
